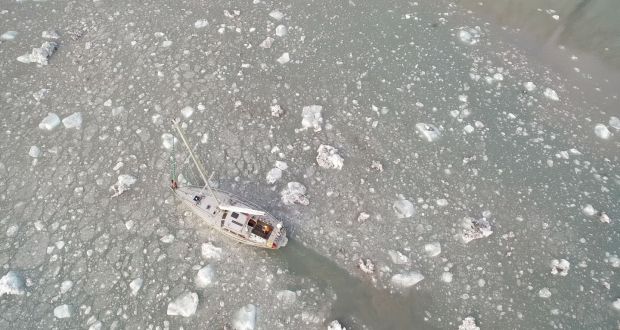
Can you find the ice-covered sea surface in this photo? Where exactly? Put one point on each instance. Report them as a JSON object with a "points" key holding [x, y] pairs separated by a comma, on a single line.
{"points": [[512, 182]]}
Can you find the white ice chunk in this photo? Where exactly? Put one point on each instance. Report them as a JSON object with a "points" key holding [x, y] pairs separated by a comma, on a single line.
{"points": [[406, 280], [287, 297], [187, 111], [616, 304], [201, 23], [329, 158], [40, 55], [442, 202], [210, 251], [167, 239], [184, 305], [166, 43], [366, 265], [529, 86], [294, 193], [469, 323], [603, 217], [168, 140], [335, 325], [9, 35], [432, 249], [403, 208], [276, 14], [245, 318], [12, 283], [284, 58], [34, 152], [588, 210], [281, 30], [73, 121], [475, 229], [205, 276], [311, 117], [123, 183], [469, 129], [135, 286], [602, 132], [560, 267], [397, 257], [469, 36], [551, 94], [63, 311], [276, 111], [266, 43], [51, 34], [273, 175], [544, 293], [446, 277], [65, 286], [40, 94], [363, 216], [614, 122], [12, 231], [428, 132]]}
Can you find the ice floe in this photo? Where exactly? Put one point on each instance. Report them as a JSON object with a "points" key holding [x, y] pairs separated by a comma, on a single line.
{"points": [[403, 208], [40, 55], [201, 23], [446, 277], [123, 183], [73, 121], [65, 286], [397, 257], [588, 210], [135, 286], [187, 111], [328, 157], [210, 251], [560, 267], [376, 165], [406, 280], [40, 94], [294, 193], [551, 94], [469, 323], [51, 34], [266, 43], [614, 122], [428, 132], [284, 58], [287, 297], [602, 131], [276, 173], [363, 216], [34, 152], [12, 230], [276, 14], [432, 249], [205, 276], [529, 86], [469, 36], [12, 284], [616, 304], [168, 140], [366, 266], [311, 117], [184, 305], [544, 293], [9, 35], [245, 318], [63, 311], [281, 30], [335, 325], [475, 229], [276, 111]]}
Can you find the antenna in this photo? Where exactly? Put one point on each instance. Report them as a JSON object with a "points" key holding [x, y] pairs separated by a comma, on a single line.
{"points": [[175, 122]]}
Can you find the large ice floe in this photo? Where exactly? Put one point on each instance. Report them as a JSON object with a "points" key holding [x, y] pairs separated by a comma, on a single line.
{"points": [[123, 183], [12, 284], [40, 55], [328, 157], [73, 121], [276, 172], [294, 193], [184, 305], [403, 208], [205, 276], [311, 117], [245, 318], [475, 229]]}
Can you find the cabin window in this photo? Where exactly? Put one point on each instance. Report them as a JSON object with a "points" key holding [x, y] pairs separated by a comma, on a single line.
{"points": [[252, 223], [208, 207], [234, 215], [224, 214], [236, 223]]}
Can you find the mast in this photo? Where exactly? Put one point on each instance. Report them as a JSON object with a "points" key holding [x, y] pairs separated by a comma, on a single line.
{"points": [[198, 166]]}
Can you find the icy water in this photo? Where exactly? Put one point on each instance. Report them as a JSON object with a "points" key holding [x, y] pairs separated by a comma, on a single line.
{"points": [[445, 114]]}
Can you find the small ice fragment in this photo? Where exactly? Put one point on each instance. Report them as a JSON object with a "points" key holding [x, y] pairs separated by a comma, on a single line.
{"points": [[284, 58], [73, 121], [187, 111], [205, 276], [273, 175], [245, 318], [432, 249], [281, 165], [469, 36], [276, 110], [551, 94], [40, 94], [469, 323], [40, 55], [34, 152], [123, 183], [446, 277], [602, 132], [475, 229], [335, 325], [560, 267], [403, 208], [168, 140], [63, 311], [442, 202], [9, 35], [544, 293], [616, 304], [529, 86], [287, 297], [65, 286], [281, 30], [588, 210], [51, 34], [12, 230], [166, 43], [376, 165], [311, 117], [201, 23], [366, 266], [614, 122], [135, 286], [397, 257], [294, 193], [428, 132], [363, 216], [210, 251], [406, 280], [603, 217], [167, 239], [468, 129], [329, 158], [276, 14], [12, 283], [184, 305], [266, 43]]}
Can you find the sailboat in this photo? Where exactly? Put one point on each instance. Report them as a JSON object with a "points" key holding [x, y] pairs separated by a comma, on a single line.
{"points": [[232, 216]]}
